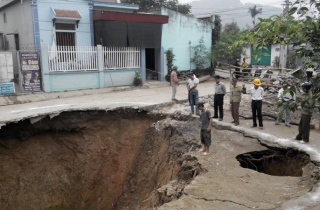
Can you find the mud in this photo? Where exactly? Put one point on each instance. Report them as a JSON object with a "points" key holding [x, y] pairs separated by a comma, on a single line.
{"points": [[92, 160], [275, 163], [227, 185], [131, 159]]}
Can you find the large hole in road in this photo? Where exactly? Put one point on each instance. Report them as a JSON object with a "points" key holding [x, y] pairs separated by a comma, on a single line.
{"points": [[275, 163], [94, 160]]}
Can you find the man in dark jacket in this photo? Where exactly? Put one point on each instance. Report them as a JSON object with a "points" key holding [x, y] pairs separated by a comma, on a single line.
{"points": [[237, 73], [307, 106]]}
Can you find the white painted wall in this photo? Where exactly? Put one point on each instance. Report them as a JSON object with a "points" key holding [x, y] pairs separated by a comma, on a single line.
{"points": [[6, 67], [275, 51], [247, 55]]}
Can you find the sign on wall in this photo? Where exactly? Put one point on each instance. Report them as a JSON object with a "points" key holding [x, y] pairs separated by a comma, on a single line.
{"points": [[31, 71], [7, 88]]}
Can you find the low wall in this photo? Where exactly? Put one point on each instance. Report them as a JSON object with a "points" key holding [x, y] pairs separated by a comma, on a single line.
{"points": [[65, 81], [124, 77], [61, 81]]}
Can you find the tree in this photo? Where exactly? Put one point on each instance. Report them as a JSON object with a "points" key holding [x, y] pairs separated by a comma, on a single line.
{"points": [[300, 27], [145, 5], [254, 12], [217, 29], [222, 50], [201, 55]]}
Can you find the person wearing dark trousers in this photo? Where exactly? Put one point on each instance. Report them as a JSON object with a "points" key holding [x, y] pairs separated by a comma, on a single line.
{"points": [[235, 99], [257, 93], [308, 104], [220, 91], [237, 73]]}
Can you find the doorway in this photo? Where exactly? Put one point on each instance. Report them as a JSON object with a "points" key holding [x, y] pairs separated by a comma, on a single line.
{"points": [[152, 72]]}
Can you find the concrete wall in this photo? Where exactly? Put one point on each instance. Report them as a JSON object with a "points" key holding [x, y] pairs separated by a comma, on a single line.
{"points": [[247, 51], [61, 81], [19, 21], [179, 31], [6, 2], [119, 77], [275, 51], [83, 32], [6, 67]]}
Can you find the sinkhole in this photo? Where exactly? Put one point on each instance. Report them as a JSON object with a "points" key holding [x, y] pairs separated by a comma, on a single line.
{"points": [[93, 160], [275, 163]]}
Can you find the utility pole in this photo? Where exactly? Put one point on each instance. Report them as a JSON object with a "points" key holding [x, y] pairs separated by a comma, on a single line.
{"points": [[283, 48], [286, 6]]}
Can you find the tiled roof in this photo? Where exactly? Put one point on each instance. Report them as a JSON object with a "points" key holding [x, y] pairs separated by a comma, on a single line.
{"points": [[67, 13]]}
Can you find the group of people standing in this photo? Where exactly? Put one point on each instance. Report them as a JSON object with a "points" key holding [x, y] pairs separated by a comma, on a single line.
{"points": [[257, 95]]}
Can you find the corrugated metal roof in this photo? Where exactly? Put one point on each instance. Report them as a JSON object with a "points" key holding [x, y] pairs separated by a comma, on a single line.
{"points": [[130, 17]]}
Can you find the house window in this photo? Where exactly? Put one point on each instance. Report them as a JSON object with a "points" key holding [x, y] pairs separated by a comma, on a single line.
{"points": [[4, 17], [65, 34]]}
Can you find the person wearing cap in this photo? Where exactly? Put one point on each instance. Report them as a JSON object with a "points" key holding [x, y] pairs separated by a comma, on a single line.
{"points": [[206, 125], [174, 82], [220, 91], [192, 85], [285, 97], [257, 93], [307, 106], [235, 99]]}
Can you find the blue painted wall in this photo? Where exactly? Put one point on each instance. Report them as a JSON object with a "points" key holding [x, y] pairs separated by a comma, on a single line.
{"points": [[83, 32], [61, 81], [179, 31], [114, 78]]}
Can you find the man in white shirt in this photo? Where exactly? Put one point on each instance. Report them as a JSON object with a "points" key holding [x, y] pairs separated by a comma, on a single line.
{"points": [[257, 93], [285, 98], [192, 85]]}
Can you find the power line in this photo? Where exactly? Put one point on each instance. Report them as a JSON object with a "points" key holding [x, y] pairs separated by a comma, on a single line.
{"points": [[233, 9], [210, 13]]}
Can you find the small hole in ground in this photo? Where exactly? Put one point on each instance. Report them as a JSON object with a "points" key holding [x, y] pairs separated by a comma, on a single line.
{"points": [[275, 163]]}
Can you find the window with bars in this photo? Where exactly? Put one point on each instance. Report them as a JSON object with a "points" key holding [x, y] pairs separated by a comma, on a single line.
{"points": [[65, 34]]}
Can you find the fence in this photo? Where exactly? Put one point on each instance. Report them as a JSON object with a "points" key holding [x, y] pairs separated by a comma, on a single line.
{"points": [[121, 57], [76, 68], [73, 58], [84, 58]]}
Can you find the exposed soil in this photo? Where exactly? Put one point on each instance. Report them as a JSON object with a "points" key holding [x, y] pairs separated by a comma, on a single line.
{"points": [[92, 160], [275, 163], [128, 159], [227, 185]]}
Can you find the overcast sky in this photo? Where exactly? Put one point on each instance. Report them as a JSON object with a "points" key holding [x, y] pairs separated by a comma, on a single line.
{"points": [[267, 2]]}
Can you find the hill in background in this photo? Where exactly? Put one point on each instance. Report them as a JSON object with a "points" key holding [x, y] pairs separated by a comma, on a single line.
{"points": [[232, 10]]}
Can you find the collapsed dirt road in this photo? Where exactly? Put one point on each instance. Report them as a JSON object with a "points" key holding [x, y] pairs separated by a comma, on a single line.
{"points": [[137, 153], [128, 159]]}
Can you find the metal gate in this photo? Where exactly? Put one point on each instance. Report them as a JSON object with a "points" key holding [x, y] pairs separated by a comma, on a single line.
{"points": [[264, 56]]}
